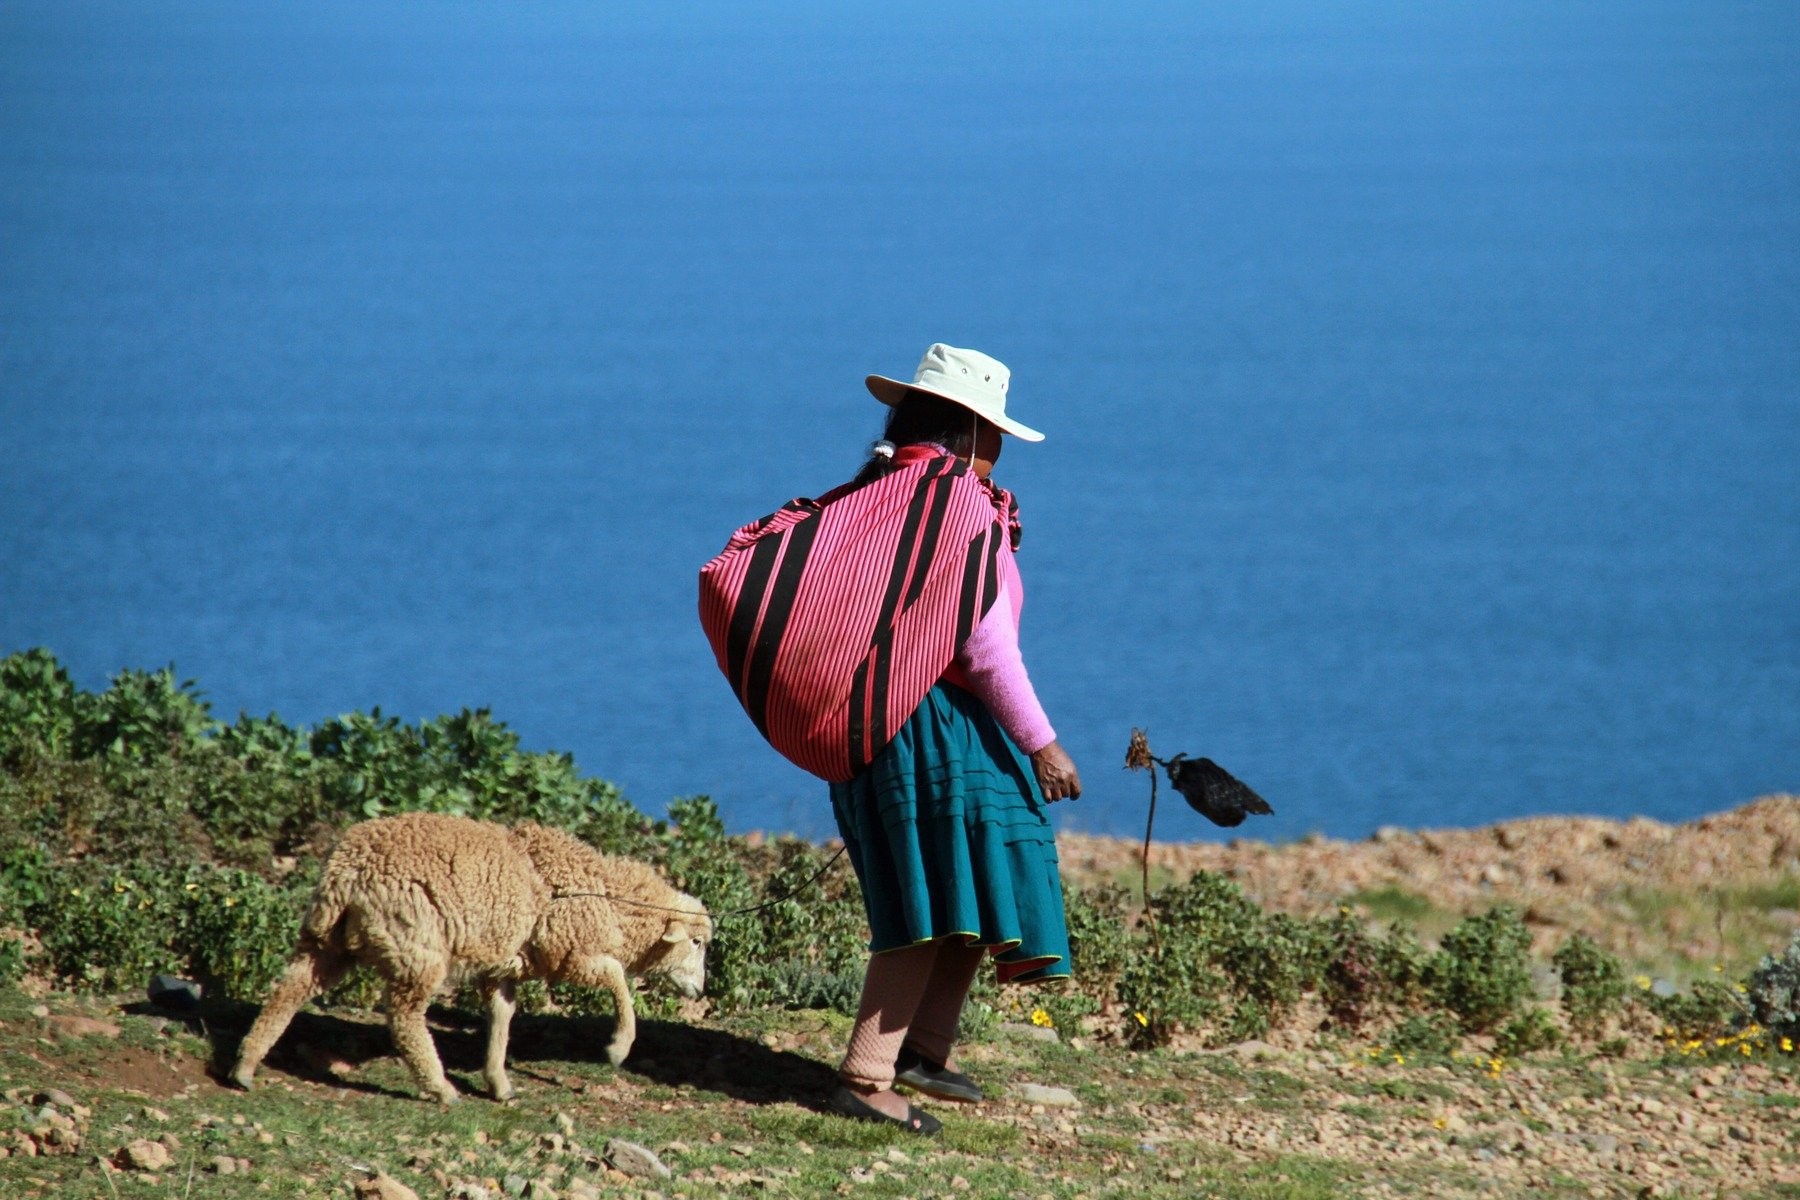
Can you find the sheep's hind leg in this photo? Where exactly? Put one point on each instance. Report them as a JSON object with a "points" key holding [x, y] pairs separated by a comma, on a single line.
{"points": [[310, 972], [407, 1000], [500, 1006]]}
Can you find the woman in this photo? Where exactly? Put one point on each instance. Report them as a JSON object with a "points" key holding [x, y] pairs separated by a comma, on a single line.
{"points": [[873, 637]]}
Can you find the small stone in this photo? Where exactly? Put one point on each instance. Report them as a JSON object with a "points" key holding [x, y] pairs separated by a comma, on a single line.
{"points": [[144, 1155], [566, 1124], [1739, 1133], [633, 1159], [1650, 1106], [174, 993], [59, 1098], [1037, 1033], [514, 1185], [1049, 1097], [222, 1164], [1604, 1145], [958, 1183], [40, 1011], [77, 1027], [383, 1187]]}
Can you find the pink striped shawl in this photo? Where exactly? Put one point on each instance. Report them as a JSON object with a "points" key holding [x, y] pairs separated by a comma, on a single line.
{"points": [[832, 618]]}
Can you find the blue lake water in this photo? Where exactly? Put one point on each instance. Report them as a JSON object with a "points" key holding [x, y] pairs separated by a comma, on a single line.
{"points": [[1422, 382]]}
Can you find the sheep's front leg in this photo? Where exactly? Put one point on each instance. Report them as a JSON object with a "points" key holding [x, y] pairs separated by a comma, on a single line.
{"points": [[609, 973], [407, 1001], [500, 1005]]}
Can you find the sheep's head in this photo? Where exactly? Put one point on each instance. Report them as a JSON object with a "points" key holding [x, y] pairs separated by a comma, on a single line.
{"points": [[681, 956]]}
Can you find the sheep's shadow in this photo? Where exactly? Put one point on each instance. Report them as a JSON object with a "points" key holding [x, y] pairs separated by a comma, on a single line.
{"points": [[331, 1049], [671, 1053]]}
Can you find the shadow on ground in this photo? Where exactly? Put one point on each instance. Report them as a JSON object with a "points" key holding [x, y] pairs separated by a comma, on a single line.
{"points": [[331, 1049]]}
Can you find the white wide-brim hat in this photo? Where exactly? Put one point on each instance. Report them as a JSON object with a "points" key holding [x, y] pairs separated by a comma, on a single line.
{"points": [[966, 377]]}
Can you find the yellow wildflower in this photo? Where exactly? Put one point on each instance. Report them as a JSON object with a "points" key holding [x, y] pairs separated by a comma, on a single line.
{"points": [[1041, 1018], [1400, 1059], [1142, 1019], [1787, 1045], [1643, 981], [1440, 1123], [74, 891]]}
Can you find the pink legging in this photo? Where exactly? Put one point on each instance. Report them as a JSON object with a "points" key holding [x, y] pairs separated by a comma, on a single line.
{"points": [[911, 996]]}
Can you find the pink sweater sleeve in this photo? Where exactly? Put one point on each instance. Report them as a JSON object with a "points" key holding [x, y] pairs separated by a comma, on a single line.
{"points": [[994, 670]]}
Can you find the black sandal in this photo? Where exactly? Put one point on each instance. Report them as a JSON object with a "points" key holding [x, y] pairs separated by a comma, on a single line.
{"points": [[915, 1071], [846, 1103]]}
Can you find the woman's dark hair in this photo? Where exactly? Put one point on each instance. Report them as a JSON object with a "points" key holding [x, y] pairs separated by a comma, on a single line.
{"points": [[922, 417]]}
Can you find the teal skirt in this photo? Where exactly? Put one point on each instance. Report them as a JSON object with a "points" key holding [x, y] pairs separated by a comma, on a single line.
{"points": [[948, 833]]}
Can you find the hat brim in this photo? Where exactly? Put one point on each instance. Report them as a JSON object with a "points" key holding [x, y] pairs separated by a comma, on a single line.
{"points": [[892, 391]]}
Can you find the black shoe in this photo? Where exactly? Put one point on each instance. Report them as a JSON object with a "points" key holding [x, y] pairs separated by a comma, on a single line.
{"points": [[846, 1103], [934, 1079]]}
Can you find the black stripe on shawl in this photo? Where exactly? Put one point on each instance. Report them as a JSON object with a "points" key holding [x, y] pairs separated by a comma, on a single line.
{"points": [[859, 687], [775, 622], [862, 745], [934, 525], [748, 607], [990, 586], [932, 497], [968, 612]]}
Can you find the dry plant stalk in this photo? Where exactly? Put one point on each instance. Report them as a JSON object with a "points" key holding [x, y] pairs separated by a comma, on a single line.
{"points": [[1139, 758]]}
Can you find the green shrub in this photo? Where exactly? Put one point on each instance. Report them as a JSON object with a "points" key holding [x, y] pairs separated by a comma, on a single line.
{"points": [[37, 705], [1529, 1032], [1774, 992], [241, 930], [1216, 958], [1482, 971], [105, 928], [1100, 941], [1593, 983], [1709, 1009], [1425, 1037], [143, 717]]}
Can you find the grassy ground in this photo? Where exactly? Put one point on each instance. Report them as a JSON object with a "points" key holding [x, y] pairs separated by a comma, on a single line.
{"points": [[732, 1108]]}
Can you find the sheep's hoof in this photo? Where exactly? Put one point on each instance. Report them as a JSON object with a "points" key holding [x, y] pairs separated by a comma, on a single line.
{"points": [[503, 1094], [447, 1097], [616, 1054], [240, 1078]]}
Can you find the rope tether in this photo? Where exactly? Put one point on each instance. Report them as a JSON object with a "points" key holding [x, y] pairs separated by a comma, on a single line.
{"points": [[816, 876]]}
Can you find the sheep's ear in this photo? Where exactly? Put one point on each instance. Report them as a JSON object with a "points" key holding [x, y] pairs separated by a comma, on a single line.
{"points": [[676, 932]]}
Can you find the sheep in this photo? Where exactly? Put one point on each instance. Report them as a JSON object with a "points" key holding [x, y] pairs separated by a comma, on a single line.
{"points": [[421, 895]]}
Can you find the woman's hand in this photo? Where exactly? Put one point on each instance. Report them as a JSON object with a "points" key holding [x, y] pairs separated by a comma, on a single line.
{"points": [[1056, 773]]}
